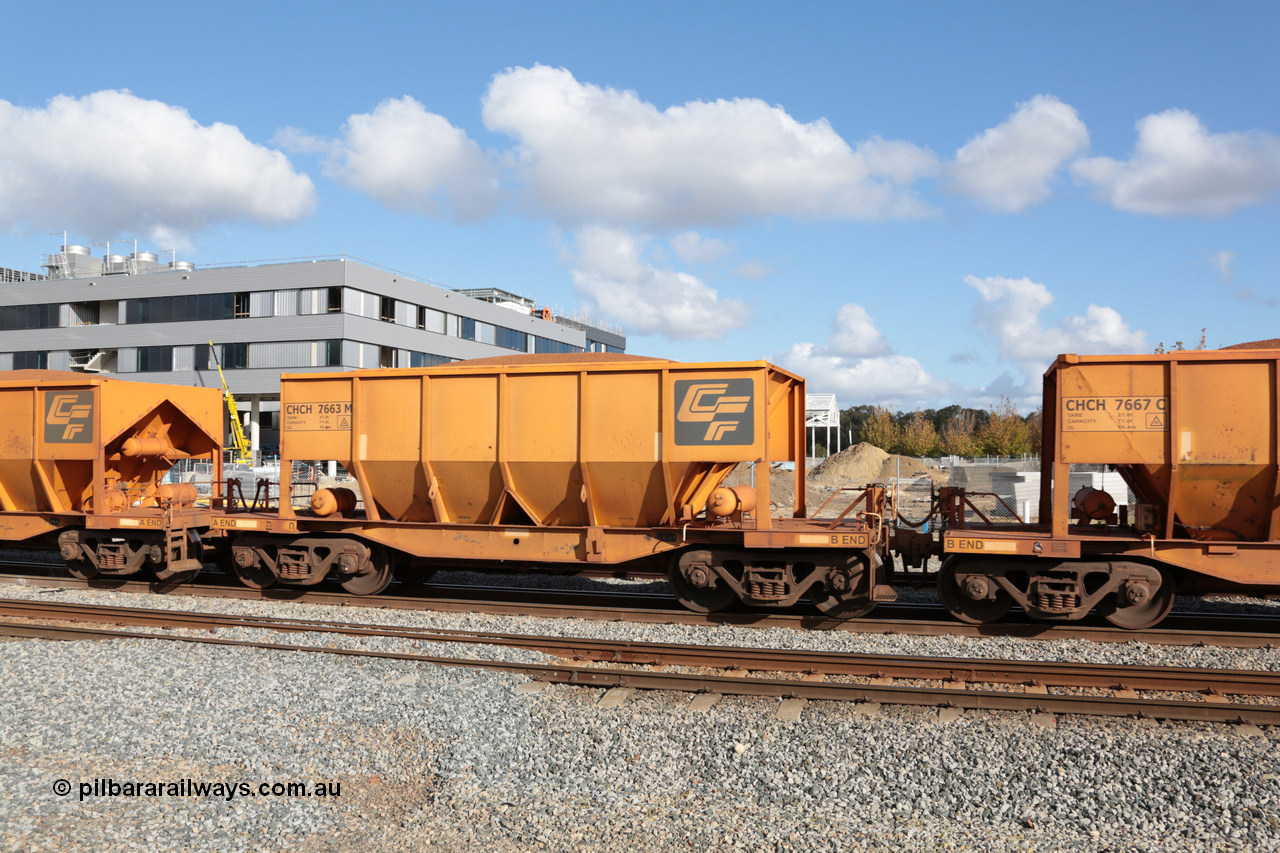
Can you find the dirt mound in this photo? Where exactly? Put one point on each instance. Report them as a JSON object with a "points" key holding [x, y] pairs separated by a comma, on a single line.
{"points": [[901, 466], [854, 466]]}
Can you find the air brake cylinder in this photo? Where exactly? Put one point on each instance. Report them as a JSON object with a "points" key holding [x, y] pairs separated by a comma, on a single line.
{"points": [[151, 446], [328, 501], [180, 494], [726, 501], [1093, 504]]}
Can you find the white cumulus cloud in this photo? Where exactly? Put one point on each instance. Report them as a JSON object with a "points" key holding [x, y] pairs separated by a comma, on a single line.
{"points": [[893, 380], [1009, 167], [409, 159], [854, 333], [858, 366], [611, 273], [1224, 263], [110, 163], [1221, 261], [592, 154], [1179, 168], [1010, 310], [694, 248], [754, 269]]}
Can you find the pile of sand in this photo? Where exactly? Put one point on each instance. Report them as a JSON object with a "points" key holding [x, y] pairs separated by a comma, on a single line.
{"points": [[901, 466], [863, 464], [857, 465]]}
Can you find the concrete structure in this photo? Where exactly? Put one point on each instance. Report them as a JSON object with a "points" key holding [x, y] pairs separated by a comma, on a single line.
{"points": [[144, 320]]}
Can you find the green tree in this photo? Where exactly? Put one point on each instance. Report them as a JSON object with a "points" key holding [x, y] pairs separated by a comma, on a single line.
{"points": [[958, 435], [918, 436], [1035, 431], [881, 429], [852, 420], [1005, 433]]}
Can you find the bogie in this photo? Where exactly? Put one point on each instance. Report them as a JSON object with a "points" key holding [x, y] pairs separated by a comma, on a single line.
{"points": [[982, 589], [706, 580]]}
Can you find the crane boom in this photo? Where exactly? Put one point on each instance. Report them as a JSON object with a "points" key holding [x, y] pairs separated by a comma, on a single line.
{"points": [[243, 452]]}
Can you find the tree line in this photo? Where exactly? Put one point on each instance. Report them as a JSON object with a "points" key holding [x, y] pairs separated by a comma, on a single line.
{"points": [[951, 431]]}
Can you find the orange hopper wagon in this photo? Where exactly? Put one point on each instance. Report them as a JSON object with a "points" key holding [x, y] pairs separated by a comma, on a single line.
{"points": [[561, 461], [83, 459]]}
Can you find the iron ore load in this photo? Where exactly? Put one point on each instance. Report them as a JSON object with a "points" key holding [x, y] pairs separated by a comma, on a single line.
{"points": [[561, 462]]}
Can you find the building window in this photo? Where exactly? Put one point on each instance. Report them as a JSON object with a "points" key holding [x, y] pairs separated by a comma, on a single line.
{"points": [[546, 345], [155, 359], [467, 328], [388, 312], [511, 339], [18, 317], [426, 359], [597, 346], [332, 353], [431, 320], [335, 299], [388, 356], [235, 356], [30, 361], [178, 309], [84, 313], [242, 305]]}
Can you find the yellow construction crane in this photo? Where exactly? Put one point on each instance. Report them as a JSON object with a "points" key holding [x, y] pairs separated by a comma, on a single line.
{"points": [[243, 452]]}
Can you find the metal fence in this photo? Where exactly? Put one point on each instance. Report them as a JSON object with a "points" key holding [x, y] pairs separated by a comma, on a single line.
{"points": [[199, 473], [998, 490]]}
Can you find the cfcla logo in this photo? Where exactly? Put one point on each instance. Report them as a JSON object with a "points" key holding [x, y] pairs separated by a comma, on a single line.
{"points": [[724, 407], [68, 417]]}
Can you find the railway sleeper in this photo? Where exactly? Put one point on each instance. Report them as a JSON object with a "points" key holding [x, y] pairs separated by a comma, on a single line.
{"points": [[1128, 593]]}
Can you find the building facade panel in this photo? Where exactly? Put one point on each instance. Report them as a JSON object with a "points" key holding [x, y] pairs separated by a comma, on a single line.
{"points": [[299, 316], [286, 303], [262, 303]]}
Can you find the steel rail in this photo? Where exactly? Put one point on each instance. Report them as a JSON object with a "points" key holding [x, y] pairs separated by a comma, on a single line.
{"points": [[1033, 672], [526, 606], [742, 686]]}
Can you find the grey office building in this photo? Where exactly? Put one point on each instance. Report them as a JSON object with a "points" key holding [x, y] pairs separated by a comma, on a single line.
{"points": [[145, 320]]}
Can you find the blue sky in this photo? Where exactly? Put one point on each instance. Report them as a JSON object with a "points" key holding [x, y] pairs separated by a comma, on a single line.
{"points": [[913, 204]]}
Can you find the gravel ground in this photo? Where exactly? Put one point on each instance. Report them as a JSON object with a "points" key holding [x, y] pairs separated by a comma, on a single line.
{"points": [[452, 759]]}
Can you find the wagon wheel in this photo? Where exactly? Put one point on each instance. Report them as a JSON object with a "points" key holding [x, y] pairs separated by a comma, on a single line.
{"points": [[1146, 614], [257, 575], [77, 565], [963, 606], [847, 605], [698, 598], [374, 575], [848, 602], [170, 577], [81, 568]]}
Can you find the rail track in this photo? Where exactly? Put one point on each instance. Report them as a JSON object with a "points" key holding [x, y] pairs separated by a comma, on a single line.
{"points": [[1199, 694], [1180, 629]]}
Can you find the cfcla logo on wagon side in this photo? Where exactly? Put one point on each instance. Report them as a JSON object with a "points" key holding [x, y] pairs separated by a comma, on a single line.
{"points": [[68, 417], [714, 412]]}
